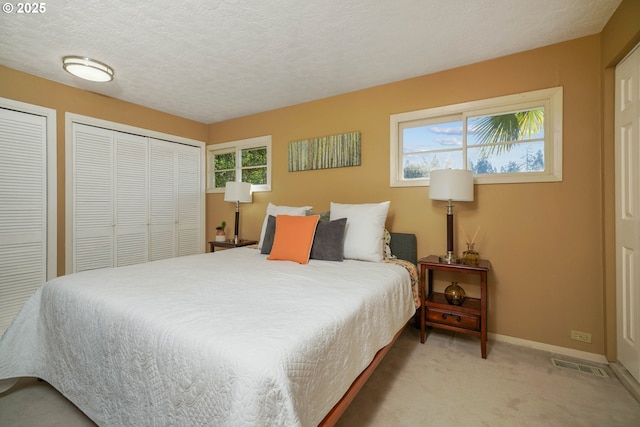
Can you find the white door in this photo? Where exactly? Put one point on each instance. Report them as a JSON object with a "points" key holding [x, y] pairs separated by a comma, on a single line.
{"points": [[627, 153], [23, 209]]}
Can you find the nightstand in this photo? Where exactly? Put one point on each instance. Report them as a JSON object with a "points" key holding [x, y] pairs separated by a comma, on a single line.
{"points": [[229, 244], [468, 318]]}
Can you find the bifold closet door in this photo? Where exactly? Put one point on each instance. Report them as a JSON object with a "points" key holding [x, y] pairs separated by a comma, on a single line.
{"points": [[189, 200], [132, 199], [92, 198], [162, 199], [23, 209], [175, 199]]}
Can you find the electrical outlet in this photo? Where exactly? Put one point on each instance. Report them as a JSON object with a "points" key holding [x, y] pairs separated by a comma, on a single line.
{"points": [[581, 336]]}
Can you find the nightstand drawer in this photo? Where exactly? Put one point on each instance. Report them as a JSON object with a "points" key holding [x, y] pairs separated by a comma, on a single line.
{"points": [[454, 319]]}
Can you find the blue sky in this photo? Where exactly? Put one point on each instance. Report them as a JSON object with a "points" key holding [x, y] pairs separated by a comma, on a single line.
{"points": [[448, 136]]}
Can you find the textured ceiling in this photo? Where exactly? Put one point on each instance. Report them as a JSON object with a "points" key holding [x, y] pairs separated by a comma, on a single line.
{"points": [[219, 59]]}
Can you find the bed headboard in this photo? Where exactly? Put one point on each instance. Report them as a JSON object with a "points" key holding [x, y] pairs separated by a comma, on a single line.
{"points": [[404, 246]]}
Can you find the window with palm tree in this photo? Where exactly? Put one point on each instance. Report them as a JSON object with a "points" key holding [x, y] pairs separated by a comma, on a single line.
{"points": [[517, 138], [506, 143]]}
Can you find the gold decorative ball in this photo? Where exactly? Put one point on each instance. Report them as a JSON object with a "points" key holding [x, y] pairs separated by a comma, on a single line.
{"points": [[454, 294]]}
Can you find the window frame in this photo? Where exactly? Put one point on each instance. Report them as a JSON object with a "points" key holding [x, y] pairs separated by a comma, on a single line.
{"points": [[237, 147], [550, 99]]}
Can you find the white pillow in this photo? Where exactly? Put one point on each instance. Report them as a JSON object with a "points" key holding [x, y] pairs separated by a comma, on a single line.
{"points": [[280, 210], [364, 230]]}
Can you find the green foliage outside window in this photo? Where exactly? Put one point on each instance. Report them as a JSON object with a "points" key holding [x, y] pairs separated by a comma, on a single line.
{"points": [[223, 177], [255, 176], [496, 132], [224, 166], [483, 166], [254, 157], [254, 165], [413, 170], [225, 161]]}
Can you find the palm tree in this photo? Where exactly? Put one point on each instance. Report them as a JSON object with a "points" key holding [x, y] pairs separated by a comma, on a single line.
{"points": [[496, 132]]}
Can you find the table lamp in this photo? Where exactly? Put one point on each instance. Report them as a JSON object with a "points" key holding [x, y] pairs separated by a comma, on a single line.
{"points": [[238, 192], [451, 185]]}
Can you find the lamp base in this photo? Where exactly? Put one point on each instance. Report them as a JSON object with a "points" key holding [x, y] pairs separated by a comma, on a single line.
{"points": [[450, 258]]}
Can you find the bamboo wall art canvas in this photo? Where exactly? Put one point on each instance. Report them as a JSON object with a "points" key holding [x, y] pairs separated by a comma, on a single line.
{"points": [[333, 151]]}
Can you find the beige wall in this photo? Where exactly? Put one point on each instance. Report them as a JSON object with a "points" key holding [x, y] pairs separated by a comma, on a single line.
{"points": [[544, 240], [27, 88]]}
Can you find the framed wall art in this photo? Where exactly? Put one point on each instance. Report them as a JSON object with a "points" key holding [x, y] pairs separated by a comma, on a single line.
{"points": [[333, 151]]}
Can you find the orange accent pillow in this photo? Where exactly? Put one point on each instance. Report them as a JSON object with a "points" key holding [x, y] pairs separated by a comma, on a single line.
{"points": [[293, 238]]}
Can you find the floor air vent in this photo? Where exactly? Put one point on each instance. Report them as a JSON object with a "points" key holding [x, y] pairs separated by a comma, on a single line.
{"points": [[586, 369]]}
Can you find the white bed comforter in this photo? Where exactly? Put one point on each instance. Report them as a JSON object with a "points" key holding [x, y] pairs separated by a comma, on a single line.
{"points": [[222, 339]]}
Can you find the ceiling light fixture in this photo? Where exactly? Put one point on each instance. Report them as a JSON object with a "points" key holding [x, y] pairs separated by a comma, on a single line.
{"points": [[87, 68]]}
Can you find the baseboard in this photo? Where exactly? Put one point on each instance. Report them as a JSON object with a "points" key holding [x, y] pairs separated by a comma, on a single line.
{"points": [[626, 379], [584, 355]]}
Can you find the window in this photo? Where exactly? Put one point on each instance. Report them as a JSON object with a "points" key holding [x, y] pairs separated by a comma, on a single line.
{"points": [[514, 138], [247, 160]]}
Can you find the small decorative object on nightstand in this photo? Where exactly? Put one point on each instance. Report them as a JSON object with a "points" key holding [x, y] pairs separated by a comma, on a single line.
{"points": [[454, 294], [469, 317], [221, 236], [470, 256]]}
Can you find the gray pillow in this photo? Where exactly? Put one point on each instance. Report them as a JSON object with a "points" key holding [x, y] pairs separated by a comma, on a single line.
{"points": [[324, 215], [269, 234], [328, 243]]}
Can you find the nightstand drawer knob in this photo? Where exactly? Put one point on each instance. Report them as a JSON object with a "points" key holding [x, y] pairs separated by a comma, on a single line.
{"points": [[445, 315]]}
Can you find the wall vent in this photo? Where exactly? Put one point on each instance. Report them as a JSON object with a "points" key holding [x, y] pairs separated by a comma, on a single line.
{"points": [[580, 367]]}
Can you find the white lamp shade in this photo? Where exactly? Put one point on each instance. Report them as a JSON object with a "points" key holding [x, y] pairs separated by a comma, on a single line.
{"points": [[451, 184], [237, 192]]}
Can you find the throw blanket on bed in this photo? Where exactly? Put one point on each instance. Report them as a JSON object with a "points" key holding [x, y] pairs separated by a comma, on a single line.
{"points": [[415, 277], [225, 338]]}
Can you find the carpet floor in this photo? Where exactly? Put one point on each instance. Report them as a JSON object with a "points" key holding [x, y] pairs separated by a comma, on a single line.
{"points": [[443, 382]]}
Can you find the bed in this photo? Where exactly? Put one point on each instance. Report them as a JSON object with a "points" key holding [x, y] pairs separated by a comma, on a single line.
{"points": [[224, 338]]}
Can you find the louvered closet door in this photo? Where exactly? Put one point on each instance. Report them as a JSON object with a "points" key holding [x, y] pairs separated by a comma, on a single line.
{"points": [[23, 210], [162, 199], [132, 195], [189, 201], [93, 210]]}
